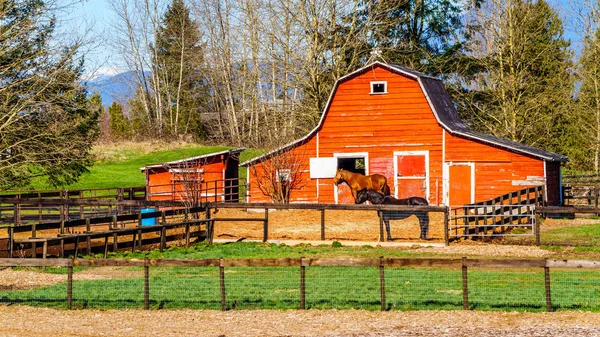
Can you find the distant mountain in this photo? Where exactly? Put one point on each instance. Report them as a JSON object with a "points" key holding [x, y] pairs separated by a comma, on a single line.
{"points": [[113, 87]]}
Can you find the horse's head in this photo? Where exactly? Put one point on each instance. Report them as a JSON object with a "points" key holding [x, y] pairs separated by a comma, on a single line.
{"points": [[362, 196], [338, 177]]}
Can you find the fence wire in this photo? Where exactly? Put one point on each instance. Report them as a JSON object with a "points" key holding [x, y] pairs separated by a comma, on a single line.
{"points": [[423, 288], [325, 287], [575, 289], [506, 289]]}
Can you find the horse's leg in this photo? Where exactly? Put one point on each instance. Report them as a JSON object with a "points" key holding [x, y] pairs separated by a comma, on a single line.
{"points": [[423, 223], [386, 221]]}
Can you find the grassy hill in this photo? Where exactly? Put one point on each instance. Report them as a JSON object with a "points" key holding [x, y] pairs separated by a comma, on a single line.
{"points": [[118, 165]]}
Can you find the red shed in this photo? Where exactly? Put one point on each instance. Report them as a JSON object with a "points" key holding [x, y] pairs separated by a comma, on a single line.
{"points": [[394, 121], [212, 177]]}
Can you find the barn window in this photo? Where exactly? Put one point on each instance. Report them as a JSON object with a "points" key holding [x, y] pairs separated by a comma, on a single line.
{"points": [[379, 87], [284, 175], [352, 164], [186, 175]]}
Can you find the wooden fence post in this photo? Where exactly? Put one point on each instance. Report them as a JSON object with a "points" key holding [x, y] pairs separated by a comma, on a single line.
{"points": [[302, 284], [446, 225], [222, 285], [11, 238], [382, 283], [536, 227], [380, 226], [266, 226], [146, 284], [547, 286], [70, 285], [322, 224], [465, 285]]}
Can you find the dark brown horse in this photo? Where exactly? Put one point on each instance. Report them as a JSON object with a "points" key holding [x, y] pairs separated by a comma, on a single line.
{"points": [[377, 198], [358, 182]]}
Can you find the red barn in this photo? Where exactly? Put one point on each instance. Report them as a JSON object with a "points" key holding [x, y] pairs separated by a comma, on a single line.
{"points": [[210, 177], [394, 121]]}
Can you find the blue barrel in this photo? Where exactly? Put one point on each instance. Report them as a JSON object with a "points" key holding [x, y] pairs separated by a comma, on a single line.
{"points": [[148, 221]]}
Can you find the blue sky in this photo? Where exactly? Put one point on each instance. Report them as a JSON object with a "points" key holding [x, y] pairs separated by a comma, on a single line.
{"points": [[93, 17]]}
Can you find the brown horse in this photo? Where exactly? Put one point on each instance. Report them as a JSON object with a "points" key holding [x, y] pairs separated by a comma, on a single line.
{"points": [[358, 182]]}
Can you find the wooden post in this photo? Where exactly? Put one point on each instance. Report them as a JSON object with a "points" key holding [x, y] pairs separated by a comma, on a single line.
{"points": [[88, 226], [76, 246], [222, 284], [596, 196], [163, 238], [105, 245], [382, 283], [115, 242], [11, 239], [380, 226], [187, 235], [536, 227], [133, 242], [302, 284], [146, 285], [266, 226], [465, 285], [140, 219], [70, 286], [139, 240], [209, 226], [323, 224], [44, 250], [547, 286], [446, 234]]}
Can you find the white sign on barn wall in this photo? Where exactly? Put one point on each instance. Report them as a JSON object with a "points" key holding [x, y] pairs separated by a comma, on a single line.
{"points": [[322, 167]]}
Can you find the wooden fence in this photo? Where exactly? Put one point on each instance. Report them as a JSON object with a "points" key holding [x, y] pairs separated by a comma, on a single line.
{"points": [[497, 216], [581, 190], [22, 207], [157, 232], [323, 208], [301, 263]]}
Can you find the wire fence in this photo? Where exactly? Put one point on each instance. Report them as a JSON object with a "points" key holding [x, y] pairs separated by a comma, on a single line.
{"points": [[370, 284]]}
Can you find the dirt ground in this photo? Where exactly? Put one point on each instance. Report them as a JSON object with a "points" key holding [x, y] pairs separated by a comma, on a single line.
{"points": [[299, 225], [33, 322], [306, 225]]}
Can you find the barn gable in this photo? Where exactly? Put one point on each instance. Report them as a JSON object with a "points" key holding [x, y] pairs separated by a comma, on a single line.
{"points": [[387, 119]]}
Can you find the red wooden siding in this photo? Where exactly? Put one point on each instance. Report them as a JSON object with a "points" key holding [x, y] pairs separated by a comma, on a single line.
{"points": [[497, 171]]}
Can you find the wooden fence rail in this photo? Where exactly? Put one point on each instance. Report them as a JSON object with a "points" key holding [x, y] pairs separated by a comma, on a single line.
{"points": [[381, 263]]}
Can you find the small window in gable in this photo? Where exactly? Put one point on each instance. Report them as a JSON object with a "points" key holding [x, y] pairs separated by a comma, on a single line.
{"points": [[379, 87]]}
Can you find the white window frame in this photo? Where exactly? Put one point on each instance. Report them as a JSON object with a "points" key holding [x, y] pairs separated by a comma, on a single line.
{"points": [[350, 155], [411, 153], [286, 174], [385, 87]]}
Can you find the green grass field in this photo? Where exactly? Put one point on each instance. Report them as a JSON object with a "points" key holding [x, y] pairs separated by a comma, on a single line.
{"points": [[426, 288], [119, 165]]}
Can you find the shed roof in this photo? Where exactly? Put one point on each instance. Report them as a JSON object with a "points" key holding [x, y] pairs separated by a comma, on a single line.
{"points": [[185, 160], [443, 108]]}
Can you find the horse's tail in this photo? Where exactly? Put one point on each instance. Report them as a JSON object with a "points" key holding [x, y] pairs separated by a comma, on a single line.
{"points": [[386, 189]]}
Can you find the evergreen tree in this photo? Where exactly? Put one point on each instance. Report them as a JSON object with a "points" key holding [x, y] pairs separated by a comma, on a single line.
{"points": [[421, 35], [48, 125], [119, 124], [584, 152], [179, 62], [523, 89]]}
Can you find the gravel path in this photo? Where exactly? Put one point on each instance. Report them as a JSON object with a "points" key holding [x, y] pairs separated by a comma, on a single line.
{"points": [[26, 321]]}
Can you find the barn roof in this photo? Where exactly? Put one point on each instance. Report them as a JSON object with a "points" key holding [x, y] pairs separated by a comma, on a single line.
{"points": [[191, 159], [443, 109]]}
